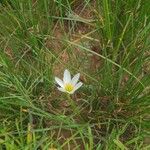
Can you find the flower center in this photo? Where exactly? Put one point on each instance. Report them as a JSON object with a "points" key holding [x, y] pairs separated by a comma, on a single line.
{"points": [[69, 87]]}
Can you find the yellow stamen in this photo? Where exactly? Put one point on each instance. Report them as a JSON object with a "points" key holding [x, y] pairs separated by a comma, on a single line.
{"points": [[69, 87]]}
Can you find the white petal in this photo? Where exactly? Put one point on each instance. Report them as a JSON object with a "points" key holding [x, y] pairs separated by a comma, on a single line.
{"points": [[71, 92], [75, 79], [61, 89], [67, 76], [77, 86], [59, 81]]}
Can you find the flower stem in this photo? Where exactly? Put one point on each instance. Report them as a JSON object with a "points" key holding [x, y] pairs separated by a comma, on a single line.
{"points": [[74, 107]]}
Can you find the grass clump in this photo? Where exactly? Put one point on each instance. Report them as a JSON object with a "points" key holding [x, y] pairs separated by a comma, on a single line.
{"points": [[107, 42]]}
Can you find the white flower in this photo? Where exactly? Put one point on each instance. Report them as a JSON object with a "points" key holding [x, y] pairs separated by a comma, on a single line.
{"points": [[68, 85]]}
